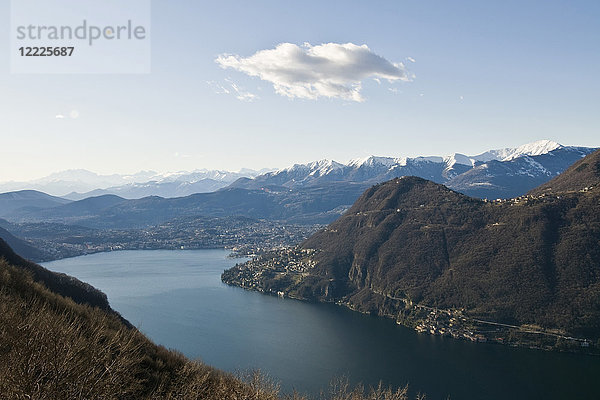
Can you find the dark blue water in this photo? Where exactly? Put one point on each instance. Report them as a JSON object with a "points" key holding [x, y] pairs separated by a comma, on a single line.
{"points": [[178, 300]]}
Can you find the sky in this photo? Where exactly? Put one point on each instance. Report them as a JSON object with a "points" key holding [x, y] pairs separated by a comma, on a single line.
{"points": [[267, 84]]}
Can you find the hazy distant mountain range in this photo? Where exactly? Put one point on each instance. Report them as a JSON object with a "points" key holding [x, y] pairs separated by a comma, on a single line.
{"points": [[28, 200], [80, 184], [495, 173], [311, 193]]}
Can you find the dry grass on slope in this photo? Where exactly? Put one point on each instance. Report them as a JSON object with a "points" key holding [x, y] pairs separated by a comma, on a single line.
{"points": [[52, 348]]}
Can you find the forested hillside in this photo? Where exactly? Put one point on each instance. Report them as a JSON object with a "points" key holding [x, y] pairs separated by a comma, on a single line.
{"points": [[529, 260]]}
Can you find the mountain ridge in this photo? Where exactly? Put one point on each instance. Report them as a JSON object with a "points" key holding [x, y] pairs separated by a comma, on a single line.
{"points": [[77, 184], [516, 170], [80, 184], [31, 199], [317, 192], [582, 175], [409, 245]]}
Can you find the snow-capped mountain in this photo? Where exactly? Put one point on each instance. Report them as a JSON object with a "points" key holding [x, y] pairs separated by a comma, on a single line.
{"points": [[531, 149], [315, 168], [495, 173], [373, 161], [492, 174]]}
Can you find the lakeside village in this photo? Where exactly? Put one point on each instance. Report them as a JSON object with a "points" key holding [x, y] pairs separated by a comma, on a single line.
{"points": [[243, 236], [292, 264]]}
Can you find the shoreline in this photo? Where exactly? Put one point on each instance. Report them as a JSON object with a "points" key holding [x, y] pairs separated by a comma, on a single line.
{"points": [[518, 336]]}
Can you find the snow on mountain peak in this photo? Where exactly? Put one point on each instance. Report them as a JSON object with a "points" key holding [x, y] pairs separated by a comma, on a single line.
{"points": [[374, 160], [325, 163], [537, 148], [323, 167], [530, 149], [318, 168], [458, 158]]}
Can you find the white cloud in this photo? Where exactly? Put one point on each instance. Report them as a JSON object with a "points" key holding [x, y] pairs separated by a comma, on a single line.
{"points": [[412, 60], [233, 89], [330, 70], [59, 116], [241, 94]]}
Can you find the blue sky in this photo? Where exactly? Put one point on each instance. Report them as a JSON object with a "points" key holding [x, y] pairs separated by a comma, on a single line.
{"points": [[486, 75]]}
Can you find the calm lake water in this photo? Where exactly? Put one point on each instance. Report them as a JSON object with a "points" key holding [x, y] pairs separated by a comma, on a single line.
{"points": [[178, 300]]}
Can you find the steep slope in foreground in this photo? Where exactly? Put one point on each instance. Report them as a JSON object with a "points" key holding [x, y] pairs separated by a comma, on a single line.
{"points": [[54, 348], [410, 244], [64, 285]]}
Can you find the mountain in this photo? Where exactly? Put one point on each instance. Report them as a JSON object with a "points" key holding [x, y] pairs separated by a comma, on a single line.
{"points": [[91, 206], [308, 205], [320, 192], [494, 174], [79, 184], [154, 188], [28, 200], [530, 149], [515, 176], [582, 175], [409, 244], [171, 185], [62, 183]]}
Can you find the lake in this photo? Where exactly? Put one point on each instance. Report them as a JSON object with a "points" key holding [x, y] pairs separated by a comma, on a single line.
{"points": [[178, 300]]}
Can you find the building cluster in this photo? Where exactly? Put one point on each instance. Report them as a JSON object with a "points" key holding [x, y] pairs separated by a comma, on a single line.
{"points": [[530, 198], [291, 262], [243, 236], [450, 323]]}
